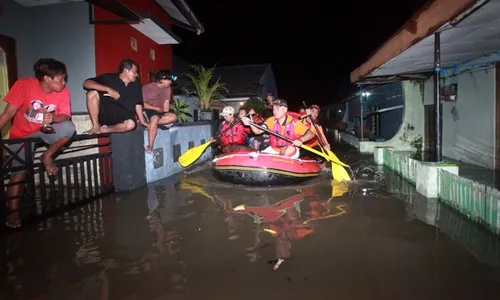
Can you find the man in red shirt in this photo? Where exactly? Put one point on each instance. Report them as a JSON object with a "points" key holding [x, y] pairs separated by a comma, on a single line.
{"points": [[32, 102]]}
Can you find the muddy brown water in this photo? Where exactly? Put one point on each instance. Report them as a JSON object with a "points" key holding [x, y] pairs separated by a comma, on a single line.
{"points": [[193, 237]]}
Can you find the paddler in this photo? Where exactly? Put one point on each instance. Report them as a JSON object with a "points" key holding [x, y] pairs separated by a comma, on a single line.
{"points": [[233, 139], [319, 137], [286, 125]]}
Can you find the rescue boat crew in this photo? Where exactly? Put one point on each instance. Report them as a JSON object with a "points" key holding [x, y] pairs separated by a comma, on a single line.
{"points": [[285, 125], [233, 139]]}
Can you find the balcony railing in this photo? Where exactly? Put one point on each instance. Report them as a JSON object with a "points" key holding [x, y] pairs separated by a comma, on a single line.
{"points": [[85, 173]]}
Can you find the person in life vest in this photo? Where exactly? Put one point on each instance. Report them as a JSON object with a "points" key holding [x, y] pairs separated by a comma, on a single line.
{"points": [[319, 135], [285, 125], [233, 139]]}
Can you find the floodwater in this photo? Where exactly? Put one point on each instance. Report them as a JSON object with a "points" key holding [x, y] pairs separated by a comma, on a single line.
{"points": [[193, 237]]}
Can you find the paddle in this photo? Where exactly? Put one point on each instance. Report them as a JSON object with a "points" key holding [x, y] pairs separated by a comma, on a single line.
{"points": [[194, 153], [302, 146], [338, 171]]}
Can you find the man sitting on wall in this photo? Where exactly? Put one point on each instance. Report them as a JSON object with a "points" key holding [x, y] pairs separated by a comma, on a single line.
{"points": [[157, 96], [113, 99], [32, 102]]}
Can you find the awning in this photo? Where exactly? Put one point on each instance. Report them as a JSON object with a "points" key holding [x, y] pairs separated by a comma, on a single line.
{"points": [[182, 15], [469, 31], [151, 27]]}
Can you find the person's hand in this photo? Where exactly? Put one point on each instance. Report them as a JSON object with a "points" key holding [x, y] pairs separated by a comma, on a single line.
{"points": [[297, 143], [146, 124], [211, 140], [112, 93], [48, 118], [327, 147], [245, 121], [308, 111], [160, 109]]}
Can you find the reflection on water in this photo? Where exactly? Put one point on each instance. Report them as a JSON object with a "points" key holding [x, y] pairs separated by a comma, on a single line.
{"points": [[194, 237]]}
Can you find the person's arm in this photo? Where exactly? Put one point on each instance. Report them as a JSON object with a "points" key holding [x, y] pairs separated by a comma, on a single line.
{"points": [[255, 130], [96, 83], [152, 107], [14, 99], [323, 137], [168, 97], [306, 134], [7, 115], [139, 104]]}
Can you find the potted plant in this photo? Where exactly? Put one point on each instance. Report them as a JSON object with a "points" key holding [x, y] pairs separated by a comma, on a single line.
{"points": [[205, 89], [256, 104], [181, 109]]}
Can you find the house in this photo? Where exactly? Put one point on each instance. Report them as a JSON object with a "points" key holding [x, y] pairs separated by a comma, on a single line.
{"points": [[453, 45], [244, 82], [91, 37]]}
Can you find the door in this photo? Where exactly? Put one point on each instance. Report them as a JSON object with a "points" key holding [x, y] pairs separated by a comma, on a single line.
{"points": [[8, 72]]}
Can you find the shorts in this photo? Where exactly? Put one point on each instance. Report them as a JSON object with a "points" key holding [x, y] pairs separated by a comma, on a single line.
{"points": [[62, 130], [149, 113], [112, 113], [271, 150]]}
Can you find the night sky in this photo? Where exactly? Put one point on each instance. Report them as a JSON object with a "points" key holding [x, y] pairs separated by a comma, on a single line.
{"points": [[312, 46]]}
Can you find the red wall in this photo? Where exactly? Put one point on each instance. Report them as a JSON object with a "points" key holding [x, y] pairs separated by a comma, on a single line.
{"points": [[112, 42]]}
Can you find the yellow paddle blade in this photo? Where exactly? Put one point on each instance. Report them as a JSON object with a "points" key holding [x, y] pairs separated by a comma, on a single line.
{"points": [[338, 171], [193, 154]]}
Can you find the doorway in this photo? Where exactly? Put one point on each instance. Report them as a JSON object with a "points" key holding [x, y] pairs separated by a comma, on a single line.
{"points": [[8, 73]]}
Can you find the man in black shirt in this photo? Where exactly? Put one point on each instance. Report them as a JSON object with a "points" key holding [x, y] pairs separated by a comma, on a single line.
{"points": [[113, 100]]}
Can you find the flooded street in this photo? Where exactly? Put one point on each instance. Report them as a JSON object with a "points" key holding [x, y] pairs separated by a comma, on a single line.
{"points": [[193, 237]]}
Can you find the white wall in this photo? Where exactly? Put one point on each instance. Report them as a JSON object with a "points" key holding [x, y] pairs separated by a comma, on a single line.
{"points": [[60, 31], [470, 138]]}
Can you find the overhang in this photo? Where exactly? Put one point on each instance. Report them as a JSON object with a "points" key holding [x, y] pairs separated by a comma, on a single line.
{"points": [[182, 15], [468, 31], [153, 28]]}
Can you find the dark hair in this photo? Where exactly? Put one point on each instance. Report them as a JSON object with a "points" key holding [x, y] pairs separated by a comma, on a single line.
{"points": [[163, 74], [127, 64], [49, 67]]}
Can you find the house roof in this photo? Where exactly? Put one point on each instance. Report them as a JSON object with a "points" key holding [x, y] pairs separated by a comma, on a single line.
{"points": [[464, 32], [242, 80]]}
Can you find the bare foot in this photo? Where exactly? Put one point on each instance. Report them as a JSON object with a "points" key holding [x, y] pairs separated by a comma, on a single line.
{"points": [[49, 164], [148, 149], [94, 130], [13, 219], [104, 128]]}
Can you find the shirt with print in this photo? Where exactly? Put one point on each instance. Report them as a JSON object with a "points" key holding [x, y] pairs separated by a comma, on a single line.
{"points": [[130, 94], [27, 95], [155, 95], [299, 128]]}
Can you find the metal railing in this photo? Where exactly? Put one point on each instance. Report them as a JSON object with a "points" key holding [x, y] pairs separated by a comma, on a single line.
{"points": [[85, 173]]}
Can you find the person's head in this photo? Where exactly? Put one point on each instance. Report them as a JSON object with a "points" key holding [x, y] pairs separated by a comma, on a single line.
{"points": [[314, 111], [302, 111], [51, 73], [280, 108], [269, 98], [242, 112], [165, 78], [228, 113], [128, 70]]}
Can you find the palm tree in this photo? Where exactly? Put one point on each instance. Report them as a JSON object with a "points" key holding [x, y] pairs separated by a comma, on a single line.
{"points": [[205, 89]]}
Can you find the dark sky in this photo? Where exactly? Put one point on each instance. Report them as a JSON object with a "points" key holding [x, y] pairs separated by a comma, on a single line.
{"points": [[312, 45]]}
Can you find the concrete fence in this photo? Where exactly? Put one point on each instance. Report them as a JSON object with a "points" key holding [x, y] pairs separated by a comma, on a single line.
{"points": [[475, 200]]}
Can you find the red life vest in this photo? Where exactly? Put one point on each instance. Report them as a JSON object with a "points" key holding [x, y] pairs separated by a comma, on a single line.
{"points": [[235, 135], [289, 132]]}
